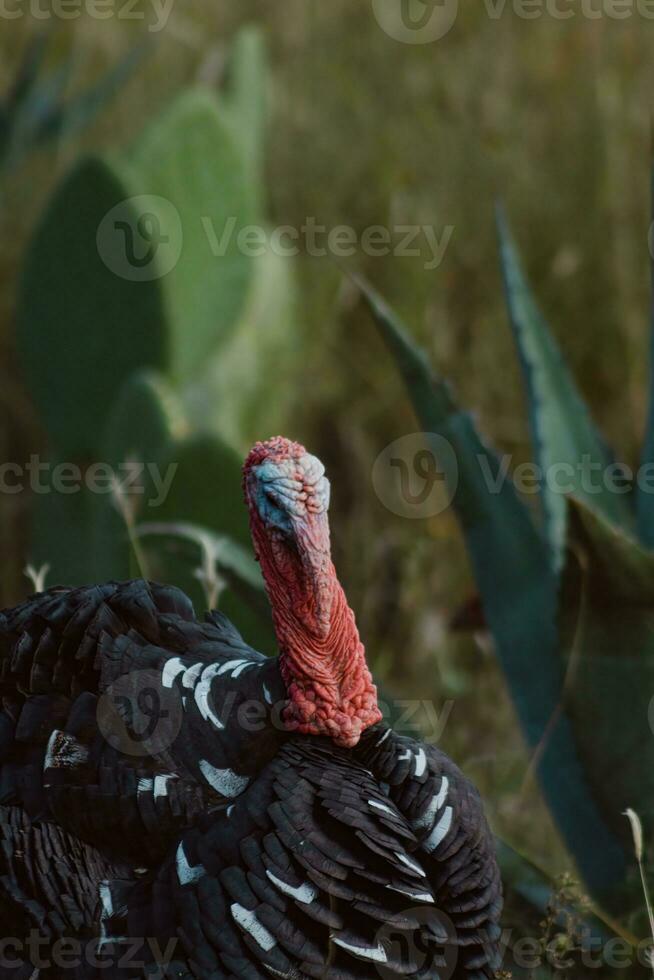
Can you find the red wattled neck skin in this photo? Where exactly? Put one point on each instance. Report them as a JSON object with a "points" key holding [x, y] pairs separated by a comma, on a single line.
{"points": [[322, 658], [330, 688]]}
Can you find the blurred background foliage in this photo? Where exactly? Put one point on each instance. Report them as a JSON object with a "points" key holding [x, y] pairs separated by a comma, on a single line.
{"points": [[552, 116]]}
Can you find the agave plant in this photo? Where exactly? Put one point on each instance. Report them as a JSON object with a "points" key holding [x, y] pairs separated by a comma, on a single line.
{"points": [[568, 593], [35, 110]]}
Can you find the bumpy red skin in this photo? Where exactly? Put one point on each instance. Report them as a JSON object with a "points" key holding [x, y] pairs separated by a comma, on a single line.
{"points": [[322, 658]]}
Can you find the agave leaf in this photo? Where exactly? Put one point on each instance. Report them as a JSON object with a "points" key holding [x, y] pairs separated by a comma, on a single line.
{"points": [[519, 593], [28, 71], [30, 98], [562, 429], [608, 604], [21, 86], [36, 111], [644, 494], [68, 118]]}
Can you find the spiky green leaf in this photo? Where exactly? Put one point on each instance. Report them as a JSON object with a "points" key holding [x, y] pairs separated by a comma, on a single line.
{"points": [[608, 601], [645, 488], [519, 593], [571, 455]]}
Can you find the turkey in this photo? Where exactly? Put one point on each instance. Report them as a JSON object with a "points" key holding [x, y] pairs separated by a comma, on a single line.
{"points": [[175, 804]]}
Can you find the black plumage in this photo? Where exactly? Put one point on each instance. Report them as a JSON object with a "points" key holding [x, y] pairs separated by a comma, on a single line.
{"points": [[217, 841]]}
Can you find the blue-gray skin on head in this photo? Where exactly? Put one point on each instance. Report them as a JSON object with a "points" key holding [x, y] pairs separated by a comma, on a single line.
{"points": [[288, 495], [289, 491]]}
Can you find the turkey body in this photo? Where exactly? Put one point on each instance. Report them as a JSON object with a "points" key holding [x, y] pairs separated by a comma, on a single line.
{"points": [[157, 815]]}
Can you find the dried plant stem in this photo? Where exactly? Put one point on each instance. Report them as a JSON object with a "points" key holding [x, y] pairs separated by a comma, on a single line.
{"points": [[213, 583], [637, 833], [38, 576], [127, 510]]}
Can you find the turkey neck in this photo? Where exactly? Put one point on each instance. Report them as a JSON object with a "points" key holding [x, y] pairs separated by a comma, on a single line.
{"points": [[322, 658]]}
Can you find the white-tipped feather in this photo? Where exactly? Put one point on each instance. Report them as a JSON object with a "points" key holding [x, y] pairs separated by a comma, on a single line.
{"points": [[191, 675], [380, 806], [250, 924], [306, 893], [172, 668], [201, 695], [224, 781], [377, 954], [440, 831], [436, 804], [187, 875]]}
